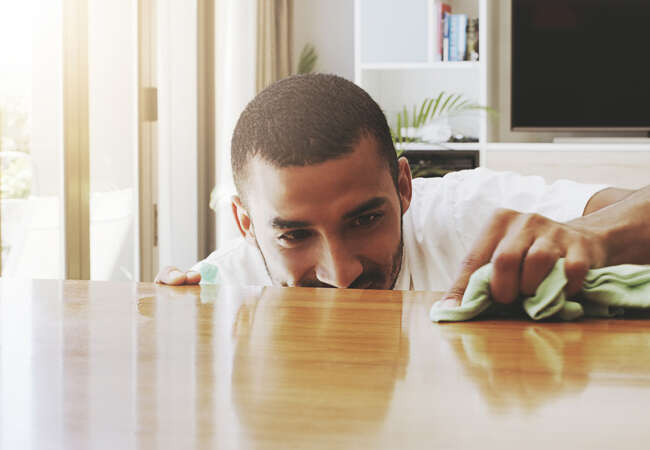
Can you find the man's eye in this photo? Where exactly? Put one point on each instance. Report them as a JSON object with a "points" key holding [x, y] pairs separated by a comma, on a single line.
{"points": [[366, 220], [294, 236]]}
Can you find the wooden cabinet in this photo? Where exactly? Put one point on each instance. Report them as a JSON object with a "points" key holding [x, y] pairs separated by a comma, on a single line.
{"points": [[622, 165]]}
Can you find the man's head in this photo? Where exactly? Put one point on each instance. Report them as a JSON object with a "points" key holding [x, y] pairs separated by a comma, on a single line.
{"points": [[321, 192]]}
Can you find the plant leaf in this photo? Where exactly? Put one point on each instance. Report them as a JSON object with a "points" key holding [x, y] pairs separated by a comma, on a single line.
{"points": [[418, 121], [399, 127], [307, 59], [426, 114], [444, 105], [435, 108], [451, 105], [462, 104], [415, 113]]}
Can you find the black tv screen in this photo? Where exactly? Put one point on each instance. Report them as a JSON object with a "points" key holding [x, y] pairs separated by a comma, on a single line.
{"points": [[581, 64]]}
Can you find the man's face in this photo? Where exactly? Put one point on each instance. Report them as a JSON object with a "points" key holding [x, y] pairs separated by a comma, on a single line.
{"points": [[333, 224]]}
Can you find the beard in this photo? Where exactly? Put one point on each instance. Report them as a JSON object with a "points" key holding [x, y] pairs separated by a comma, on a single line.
{"points": [[373, 276]]}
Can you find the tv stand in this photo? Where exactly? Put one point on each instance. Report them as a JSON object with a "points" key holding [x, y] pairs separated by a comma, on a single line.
{"points": [[624, 165]]}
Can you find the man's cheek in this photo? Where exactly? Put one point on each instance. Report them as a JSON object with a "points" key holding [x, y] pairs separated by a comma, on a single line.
{"points": [[380, 244]]}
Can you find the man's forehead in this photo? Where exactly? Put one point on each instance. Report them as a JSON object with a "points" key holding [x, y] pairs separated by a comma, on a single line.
{"points": [[340, 184]]}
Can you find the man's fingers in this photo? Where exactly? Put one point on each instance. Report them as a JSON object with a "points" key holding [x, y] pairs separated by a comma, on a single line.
{"points": [[478, 256], [454, 296], [538, 263], [175, 277], [523, 249], [192, 277], [576, 266], [507, 263], [171, 275], [472, 262]]}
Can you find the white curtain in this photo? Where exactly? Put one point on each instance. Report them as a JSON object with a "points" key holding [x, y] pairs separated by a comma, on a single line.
{"points": [[235, 36], [234, 66], [274, 41], [177, 132]]}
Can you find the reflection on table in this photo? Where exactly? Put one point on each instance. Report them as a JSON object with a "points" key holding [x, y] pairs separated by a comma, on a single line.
{"points": [[305, 371], [118, 365]]}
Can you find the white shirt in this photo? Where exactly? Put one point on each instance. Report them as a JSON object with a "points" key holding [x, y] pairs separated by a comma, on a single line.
{"points": [[445, 216]]}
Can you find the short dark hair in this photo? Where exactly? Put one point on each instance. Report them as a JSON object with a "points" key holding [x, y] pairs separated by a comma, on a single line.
{"points": [[308, 119]]}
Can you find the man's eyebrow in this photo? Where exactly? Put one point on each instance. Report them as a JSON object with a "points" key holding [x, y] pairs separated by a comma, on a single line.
{"points": [[282, 224], [373, 203]]}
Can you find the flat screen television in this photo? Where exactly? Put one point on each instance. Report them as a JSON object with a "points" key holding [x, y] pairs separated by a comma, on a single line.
{"points": [[580, 65]]}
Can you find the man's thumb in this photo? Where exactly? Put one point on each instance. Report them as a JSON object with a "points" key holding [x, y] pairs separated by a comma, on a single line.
{"points": [[451, 299], [454, 296]]}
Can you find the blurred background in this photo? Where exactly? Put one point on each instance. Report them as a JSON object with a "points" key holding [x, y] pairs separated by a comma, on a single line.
{"points": [[116, 117]]}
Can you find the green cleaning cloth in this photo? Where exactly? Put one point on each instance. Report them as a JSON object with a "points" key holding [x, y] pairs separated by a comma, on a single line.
{"points": [[209, 273], [606, 292]]}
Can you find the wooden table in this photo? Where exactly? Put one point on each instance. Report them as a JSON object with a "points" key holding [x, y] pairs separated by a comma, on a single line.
{"points": [[119, 366]]}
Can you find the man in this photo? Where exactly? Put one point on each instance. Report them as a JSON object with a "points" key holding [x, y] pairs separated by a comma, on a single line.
{"points": [[323, 201]]}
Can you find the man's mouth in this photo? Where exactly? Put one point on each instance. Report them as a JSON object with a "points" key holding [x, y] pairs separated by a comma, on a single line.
{"points": [[363, 282]]}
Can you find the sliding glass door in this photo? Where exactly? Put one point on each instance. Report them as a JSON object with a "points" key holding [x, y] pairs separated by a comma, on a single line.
{"points": [[71, 148], [113, 138], [31, 138]]}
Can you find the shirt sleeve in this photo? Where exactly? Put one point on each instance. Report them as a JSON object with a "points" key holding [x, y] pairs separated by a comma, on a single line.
{"points": [[476, 194], [235, 262]]}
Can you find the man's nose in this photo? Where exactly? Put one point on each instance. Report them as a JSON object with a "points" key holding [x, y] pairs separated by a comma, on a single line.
{"points": [[337, 266]]}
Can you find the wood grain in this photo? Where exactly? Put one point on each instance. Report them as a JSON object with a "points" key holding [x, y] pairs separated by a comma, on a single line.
{"points": [[118, 365]]}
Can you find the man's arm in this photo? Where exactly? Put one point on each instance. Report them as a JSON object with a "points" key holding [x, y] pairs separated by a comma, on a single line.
{"points": [[523, 248], [623, 223], [604, 198]]}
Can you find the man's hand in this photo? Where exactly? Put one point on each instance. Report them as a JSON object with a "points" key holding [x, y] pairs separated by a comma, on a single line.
{"points": [[174, 276], [523, 249]]}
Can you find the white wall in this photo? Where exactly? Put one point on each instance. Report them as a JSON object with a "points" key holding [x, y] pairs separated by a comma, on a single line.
{"points": [[329, 26], [235, 46]]}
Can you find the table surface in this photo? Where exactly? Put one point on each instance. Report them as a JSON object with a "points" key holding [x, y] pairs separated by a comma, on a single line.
{"points": [[119, 365]]}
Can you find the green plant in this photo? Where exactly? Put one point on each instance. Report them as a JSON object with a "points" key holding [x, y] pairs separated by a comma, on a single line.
{"points": [[443, 105], [15, 163], [307, 59], [16, 179], [213, 199]]}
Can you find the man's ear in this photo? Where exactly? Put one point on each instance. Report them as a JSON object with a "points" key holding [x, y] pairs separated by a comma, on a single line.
{"points": [[404, 185], [242, 219]]}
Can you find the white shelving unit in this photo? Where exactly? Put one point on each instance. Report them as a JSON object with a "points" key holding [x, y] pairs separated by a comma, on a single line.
{"points": [[397, 63], [395, 60], [435, 65]]}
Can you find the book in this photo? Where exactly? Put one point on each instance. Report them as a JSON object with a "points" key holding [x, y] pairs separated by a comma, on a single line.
{"points": [[446, 21], [457, 37], [472, 40], [453, 37], [441, 10]]}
